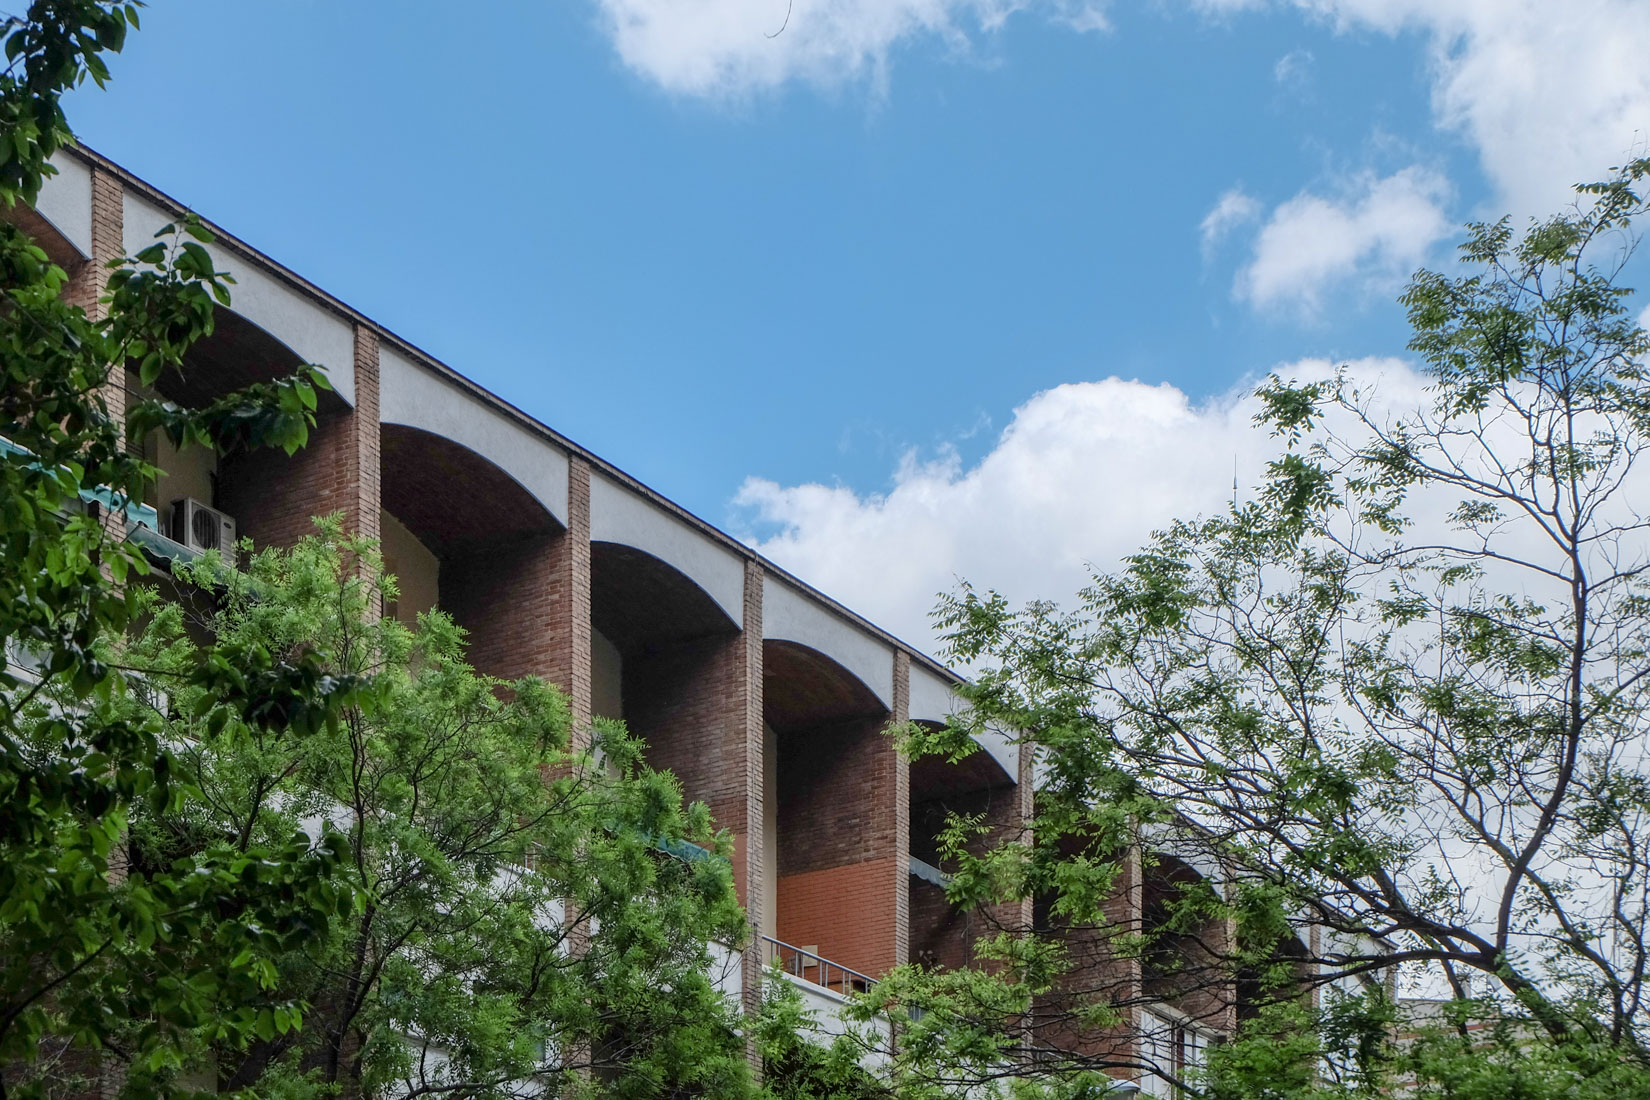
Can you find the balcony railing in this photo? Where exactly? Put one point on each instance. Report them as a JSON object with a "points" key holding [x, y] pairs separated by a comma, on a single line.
{"points": [[815, 969]]}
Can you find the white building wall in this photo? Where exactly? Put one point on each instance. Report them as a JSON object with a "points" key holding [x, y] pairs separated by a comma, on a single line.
{"points": [[315, 333]]}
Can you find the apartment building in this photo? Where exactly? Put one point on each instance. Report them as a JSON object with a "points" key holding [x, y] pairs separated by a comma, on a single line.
{"points": [[767, 698]]}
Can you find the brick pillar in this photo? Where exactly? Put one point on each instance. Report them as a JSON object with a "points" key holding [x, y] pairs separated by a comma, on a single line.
{"points": [[1015, 828], [275, 497], [1008, 817], [364, 507], [570, 669], [90, 281], [1125, 977], [898, 716], [106, 1075], [753, 878]]}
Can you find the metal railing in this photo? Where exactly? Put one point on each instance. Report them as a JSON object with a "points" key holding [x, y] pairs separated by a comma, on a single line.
{"points": [[813, 968]]}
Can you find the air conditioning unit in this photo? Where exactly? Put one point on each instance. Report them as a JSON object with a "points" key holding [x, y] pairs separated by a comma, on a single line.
{"points": [[201, 528]]}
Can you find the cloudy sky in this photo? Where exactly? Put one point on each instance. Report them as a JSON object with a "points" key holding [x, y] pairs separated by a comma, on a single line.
{"points": [[901, 291]]}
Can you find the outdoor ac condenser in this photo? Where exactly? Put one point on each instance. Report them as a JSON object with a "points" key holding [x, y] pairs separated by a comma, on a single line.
{"points": [[201, 528]]}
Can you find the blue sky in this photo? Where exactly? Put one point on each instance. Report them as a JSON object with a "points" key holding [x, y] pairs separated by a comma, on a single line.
{"points": [[783, 279]]}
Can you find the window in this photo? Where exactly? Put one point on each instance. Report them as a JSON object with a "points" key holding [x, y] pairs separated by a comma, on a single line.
{"points": [[1174, 1045]]}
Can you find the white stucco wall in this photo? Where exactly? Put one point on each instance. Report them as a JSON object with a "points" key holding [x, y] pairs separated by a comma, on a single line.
{"points": [[932, 700], [66, 201], [619, 515], [826, 1006], [789, 615], [606, 677], [313, 332], [727, 970], [417, 397], [417, 571]]}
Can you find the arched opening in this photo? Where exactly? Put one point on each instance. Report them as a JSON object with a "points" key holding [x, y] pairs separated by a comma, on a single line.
{"points": [[667, 660], [940, 933], [1287, 975], [57, 246], [833, 788], [460, 533], [263, 494], [1186, 964]]}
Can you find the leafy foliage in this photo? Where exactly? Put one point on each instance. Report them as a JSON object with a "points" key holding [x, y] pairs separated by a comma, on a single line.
{"points": [[1394, 706], [85, 946], [520, 925]]}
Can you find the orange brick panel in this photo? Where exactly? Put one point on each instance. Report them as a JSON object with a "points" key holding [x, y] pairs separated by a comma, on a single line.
{"points": [[848, 912]]}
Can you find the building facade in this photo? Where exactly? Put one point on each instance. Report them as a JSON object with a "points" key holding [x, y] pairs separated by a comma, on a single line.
{"points": [[767, 698]]}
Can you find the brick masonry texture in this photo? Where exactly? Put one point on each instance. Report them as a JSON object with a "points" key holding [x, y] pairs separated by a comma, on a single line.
{"points": [[750, 877], [510, 598], [842, 843], [361, 451], [526, 604], [1097, 974], [275, 498], [843, 796], [90, 279], [940, 933], [698, 705], [688, 702], [901, 886], [845, 911]]}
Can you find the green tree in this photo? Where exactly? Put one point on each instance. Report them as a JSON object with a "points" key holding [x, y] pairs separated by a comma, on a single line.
{"points": [[299, 849], [1398, 699], [85, 946], [524, 922]]}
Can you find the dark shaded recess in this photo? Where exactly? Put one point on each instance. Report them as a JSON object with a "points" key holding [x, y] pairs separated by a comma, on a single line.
{"points": [[457, 503], [58, 248], [237, 353], [802, 688], [934, 777], [642, 604], [1172, 957], [1256, 990]]}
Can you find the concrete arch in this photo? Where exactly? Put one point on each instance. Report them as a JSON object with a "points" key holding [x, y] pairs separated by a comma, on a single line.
{"points": [[414, 397], [933, 701], [456, 501], [314, 332], [239, 352], [790, 616], [1161, 840], [641, 602], [623, 517]]}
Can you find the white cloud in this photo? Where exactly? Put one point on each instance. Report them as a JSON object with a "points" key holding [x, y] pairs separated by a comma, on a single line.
{"points": [[1294, 69], [1083, 474], [1548, 94], [1378, 230], [1084, 18], [1231, 210], [722, 48]]}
